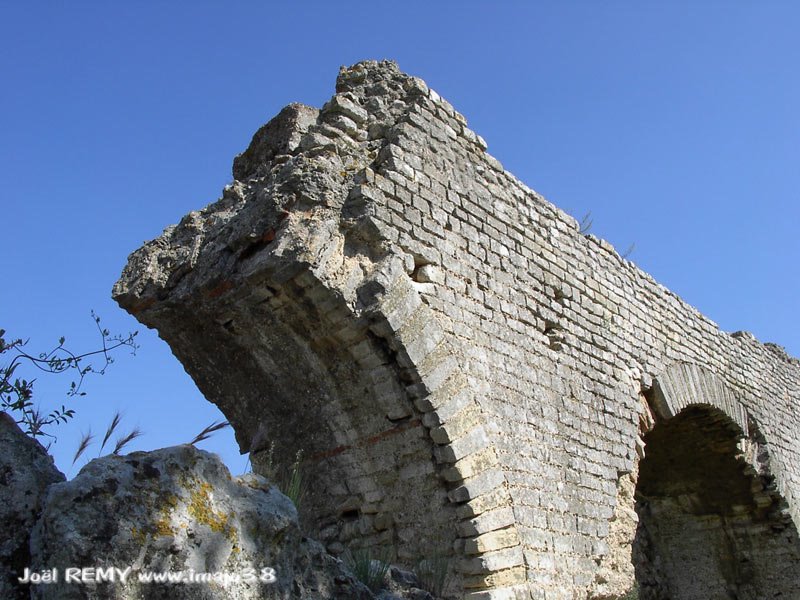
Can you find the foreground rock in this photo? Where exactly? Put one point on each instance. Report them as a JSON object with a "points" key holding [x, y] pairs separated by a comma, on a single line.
{"points": [[178, 510], [25, 472]]}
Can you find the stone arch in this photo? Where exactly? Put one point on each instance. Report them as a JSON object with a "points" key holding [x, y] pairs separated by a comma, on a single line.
{"points": [[711, 521], [294, 367], [685, 384], [356, 371], [489, 559]]}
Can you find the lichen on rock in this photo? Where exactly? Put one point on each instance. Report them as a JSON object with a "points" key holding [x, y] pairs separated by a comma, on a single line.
{"points": [[178, 510]]}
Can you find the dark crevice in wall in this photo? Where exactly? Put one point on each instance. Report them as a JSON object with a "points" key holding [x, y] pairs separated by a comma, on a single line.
{"points": [[555, 334]]}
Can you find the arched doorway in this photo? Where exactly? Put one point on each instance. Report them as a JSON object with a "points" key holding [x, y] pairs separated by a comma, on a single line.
{"points": [[711, 523]]}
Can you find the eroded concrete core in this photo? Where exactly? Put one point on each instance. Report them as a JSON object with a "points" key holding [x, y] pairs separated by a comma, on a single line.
{"points": [[467, 374]]}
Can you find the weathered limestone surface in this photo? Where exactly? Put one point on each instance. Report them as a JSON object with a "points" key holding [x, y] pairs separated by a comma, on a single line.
{"points": [[466, 372], [178, 510], [26, 470]]}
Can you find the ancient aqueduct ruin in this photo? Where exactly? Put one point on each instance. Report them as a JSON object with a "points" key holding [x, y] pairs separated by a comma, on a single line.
{"points": [[469, 375]]}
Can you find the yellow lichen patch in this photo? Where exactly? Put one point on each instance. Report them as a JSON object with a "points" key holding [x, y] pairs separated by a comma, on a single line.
{"points": [[139, 535], [201, 509], [162, 507], [162, 527]]}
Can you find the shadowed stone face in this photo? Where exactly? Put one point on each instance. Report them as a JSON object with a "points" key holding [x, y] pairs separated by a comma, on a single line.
{"points": [[710, 525], [26, 470], [461, 367]]}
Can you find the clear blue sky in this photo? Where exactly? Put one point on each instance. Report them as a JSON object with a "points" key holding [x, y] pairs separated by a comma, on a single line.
{"points": [[677, 124]]}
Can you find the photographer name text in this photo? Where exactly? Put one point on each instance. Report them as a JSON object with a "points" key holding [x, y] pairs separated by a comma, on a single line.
{"points": [[95, 575]]}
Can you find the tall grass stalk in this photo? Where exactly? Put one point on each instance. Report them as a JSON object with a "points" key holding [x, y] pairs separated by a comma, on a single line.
{"points": [[86, 440], [434, 574], [112, 426], [290, 481], [369, 569], [209, 431], [127, 439]]}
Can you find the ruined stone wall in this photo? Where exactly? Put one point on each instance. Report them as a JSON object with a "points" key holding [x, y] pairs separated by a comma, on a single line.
{"points": [[467, 373]]}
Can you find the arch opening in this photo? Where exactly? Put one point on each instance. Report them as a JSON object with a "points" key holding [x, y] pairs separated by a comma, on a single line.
{"points": [[294, 367], [711, 523]]}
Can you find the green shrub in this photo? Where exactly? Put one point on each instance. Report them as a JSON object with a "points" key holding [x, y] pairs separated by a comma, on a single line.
{"points": [[368, 568], [292, 483], [289, 480], [434, 573]]}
